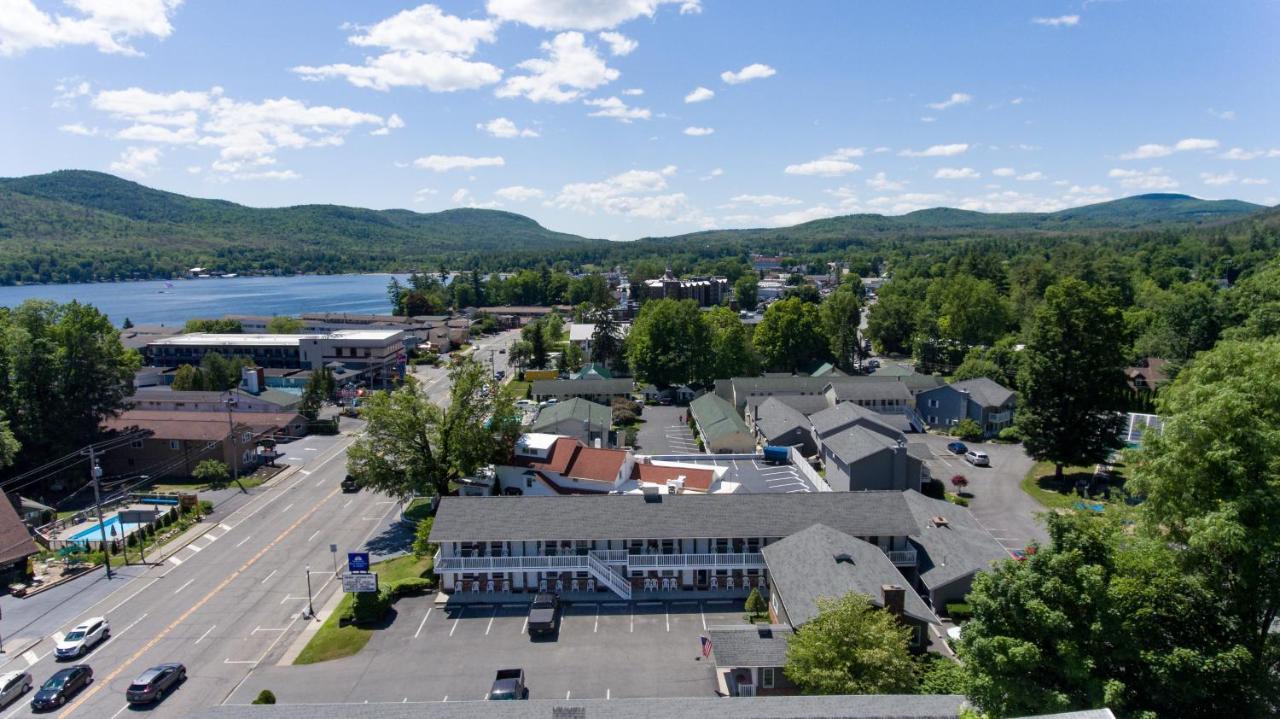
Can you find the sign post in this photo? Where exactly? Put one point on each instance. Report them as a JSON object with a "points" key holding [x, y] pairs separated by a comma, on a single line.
{"points": [[358, 578], [333, 549], [357, 561]]}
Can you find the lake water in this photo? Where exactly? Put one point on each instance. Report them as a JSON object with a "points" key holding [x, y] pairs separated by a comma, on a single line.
{"points": [[154, 302]]}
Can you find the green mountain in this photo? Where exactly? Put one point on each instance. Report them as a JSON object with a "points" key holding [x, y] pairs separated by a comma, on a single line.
{"points": [[73, 225]]}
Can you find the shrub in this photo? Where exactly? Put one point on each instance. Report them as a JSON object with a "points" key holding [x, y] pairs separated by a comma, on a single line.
{"points": [[959, 482], [265, 697], [411, 587], [957, 499], [959, 611], [370, 607], [934, 489], [622, 416], [422, 545], [967, 430], [755, 603], [206, 507], [1010, 434], [629, 437]]}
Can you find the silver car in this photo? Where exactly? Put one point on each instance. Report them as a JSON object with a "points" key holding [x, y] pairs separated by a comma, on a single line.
{"points": [[977, 458], [12, 686]]}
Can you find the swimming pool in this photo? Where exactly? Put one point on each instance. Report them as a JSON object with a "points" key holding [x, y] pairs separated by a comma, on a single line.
{"points": [[94, 533]]}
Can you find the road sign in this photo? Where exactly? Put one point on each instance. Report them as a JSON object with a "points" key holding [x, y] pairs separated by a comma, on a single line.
{"points": [[360, 582], [357, 561], [333, 548]]}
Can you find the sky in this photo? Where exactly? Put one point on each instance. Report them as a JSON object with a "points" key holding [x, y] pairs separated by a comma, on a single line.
{"points": [[630, 118]]}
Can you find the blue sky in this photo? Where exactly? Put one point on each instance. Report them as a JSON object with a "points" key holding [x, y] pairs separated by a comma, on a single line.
{"points": [[627, 118]]}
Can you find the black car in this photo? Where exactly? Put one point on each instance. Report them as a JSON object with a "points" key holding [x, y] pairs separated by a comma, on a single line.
{"points": [[544, 614], [60, 687], [350, 485], [154, 683]]}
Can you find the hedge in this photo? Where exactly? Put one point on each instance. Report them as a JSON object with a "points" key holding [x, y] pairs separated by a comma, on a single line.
{"points": [[959, 611]]}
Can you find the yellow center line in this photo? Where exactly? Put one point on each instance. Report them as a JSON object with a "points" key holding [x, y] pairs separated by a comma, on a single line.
{"points": [[195, 607]]}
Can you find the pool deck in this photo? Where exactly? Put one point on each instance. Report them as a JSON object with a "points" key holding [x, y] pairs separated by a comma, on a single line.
{"points": [[69, 533]]}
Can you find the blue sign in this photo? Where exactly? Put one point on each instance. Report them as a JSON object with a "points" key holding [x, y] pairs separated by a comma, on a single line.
{"points": [[357, 561]]}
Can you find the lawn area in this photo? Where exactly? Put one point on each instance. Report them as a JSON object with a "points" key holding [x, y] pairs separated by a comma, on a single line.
{"points": [[259, 477], [419, 507], [519, 389], [1045, 489], [333, 641]]}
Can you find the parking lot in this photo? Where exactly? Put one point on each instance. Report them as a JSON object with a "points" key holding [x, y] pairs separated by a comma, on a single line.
{"points": [[434, 653], [663, 432], [757, 476]]}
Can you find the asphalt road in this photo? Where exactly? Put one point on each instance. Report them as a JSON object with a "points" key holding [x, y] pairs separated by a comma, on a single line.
{"points": [[230, 601], [492, 349]]}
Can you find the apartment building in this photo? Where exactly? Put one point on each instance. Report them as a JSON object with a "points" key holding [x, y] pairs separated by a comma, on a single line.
{"points": [[372, 353]]}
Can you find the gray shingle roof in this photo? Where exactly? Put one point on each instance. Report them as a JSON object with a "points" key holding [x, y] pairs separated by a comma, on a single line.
{"points": [[803, 567], [716, 417], [630, 516], [986, 392], [869, 388], [863, 706], [563, 387], [805, 404], [749, 646], [857, 443], [797, 383], [775, 418], [953, 551], [847, 414], [595, 415]]}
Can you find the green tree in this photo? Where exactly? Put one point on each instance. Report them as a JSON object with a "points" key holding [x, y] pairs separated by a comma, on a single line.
{"points": [[395, 296], [668, 343], [973, 368], [756, 606], [187, 378], [221, 373], [790, 335], [9, 445], [571, 359], [746, 291], [606, 338], [223, 326], [851, 647], [536, 337], [422, 546], [841, 315], [969, 311], [891, 324], [804, 291], [127, 324], [1072, 373], [319, 390], [284, 325], [731, 353], [412, 447], [212, 472]]}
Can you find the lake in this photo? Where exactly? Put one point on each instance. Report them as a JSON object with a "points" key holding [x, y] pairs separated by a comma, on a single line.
{"points": [[160, 302]]}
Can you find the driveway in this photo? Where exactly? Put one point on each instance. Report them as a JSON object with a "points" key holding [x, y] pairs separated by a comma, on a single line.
{"points": [[998, 501], [663, 432]]}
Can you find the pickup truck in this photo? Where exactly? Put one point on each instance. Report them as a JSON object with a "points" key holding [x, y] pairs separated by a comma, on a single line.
{"points": [[543, 614], [508, 684]]}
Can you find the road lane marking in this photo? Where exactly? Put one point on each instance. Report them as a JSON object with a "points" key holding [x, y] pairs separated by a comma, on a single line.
{"points": [[119, 711], [179, 589], [175, 560], [242, 541], [313, 536], [31, 657], [131, 596], [423, 623], [193, 547], [206, 633], [224, 526], [304, 471], [272, 574], [348, 504], [197, 606], [286, 509]]}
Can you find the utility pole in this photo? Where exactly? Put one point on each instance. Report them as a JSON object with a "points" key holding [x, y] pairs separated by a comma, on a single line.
{"points": [[231, 435], [311, 612], [96, 473]]}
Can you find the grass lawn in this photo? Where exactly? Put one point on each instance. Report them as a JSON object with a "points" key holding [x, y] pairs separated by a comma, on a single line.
{"points": [[1041, 484], [520, 389], [333, 641], [418, 508]]}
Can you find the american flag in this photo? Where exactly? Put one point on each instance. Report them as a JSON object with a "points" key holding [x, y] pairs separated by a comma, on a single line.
{"points": [[706, 646]]}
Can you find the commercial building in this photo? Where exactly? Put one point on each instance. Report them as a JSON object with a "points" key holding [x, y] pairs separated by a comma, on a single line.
{"points": [[163, 399], [375, 354], [585, 421], [180, 440], [706, 291], [602, 391]]}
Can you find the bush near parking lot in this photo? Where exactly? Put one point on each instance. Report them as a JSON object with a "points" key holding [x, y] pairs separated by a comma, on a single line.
{"points": [[265, 697], [967, 430], [369, 607], [1009, 434], [412, 587]]}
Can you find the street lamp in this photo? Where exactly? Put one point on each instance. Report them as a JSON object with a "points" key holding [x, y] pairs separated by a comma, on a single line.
{"points": [[311, 612]]}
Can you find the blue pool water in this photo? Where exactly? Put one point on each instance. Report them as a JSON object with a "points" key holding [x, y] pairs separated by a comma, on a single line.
{"points": [[95, 533]]}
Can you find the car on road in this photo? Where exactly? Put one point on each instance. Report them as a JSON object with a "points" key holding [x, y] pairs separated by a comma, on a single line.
{"points": [[977, 458], [349, 484], [64, 684], [12, 686], [508, 684], [544, 614], [84, 637], [154, 683], [957, 447]]}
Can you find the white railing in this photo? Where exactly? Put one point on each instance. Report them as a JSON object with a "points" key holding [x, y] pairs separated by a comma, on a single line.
{"points": [[902, 557], [744, 560], [610, 556], [607, 577], [578, 562], [499, 564]]}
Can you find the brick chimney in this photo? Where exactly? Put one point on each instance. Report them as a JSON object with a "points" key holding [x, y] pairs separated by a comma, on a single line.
{"points": [[894, 597]]}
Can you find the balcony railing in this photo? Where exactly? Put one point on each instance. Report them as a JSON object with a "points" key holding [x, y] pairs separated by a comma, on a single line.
{"points": [[576, 562], [902, 557], [744, 560]]}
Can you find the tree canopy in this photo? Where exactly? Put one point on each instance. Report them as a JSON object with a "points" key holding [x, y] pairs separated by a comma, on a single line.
{"points": [[668, 343], [790, 335], [851, 647]]}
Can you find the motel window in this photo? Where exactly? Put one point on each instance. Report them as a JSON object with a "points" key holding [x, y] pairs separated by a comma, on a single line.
{"points": [[136, 444], [766, 677], [175, 444], [933, 403]]}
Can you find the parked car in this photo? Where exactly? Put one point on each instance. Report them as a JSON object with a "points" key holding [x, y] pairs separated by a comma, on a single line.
{"points": [[349, 484], [957, 448], [80, 640], [12, 686], [64, 684], [544, 614], [154, 683], [508, 684], [977, 458]]}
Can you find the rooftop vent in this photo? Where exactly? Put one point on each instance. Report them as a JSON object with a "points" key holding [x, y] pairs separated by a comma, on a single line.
{"points": [[843, 558], [765, 632], [940, 521]]}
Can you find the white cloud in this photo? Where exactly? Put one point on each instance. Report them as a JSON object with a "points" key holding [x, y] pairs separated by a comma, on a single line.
{"points": [[504, 128], [142, 105], [635, 193], [67, 89], [267, 175], [1149, 151], [633, 91], [615, 108], [832, 165], [1004, 172], [444, 163], [424, 47], [1153, 179], [956, 173], [1016, 101], [619, 44], [937, 151], [156, 133], [882, 183], [698, 131], [107, 26], [1225, 178], [424, 194], [797, 217], [461, 196], [700, 94], [906, 202], [77, 128], [1031, 176], [926, 118], [754, 71], [1223, 114], [1254, 181], [570, 68], [1059, 21], [580, 14], [137, 161], [395, 122], [764, 200], [957, 98], [717, 172], [518, 193], [1239, 153]]}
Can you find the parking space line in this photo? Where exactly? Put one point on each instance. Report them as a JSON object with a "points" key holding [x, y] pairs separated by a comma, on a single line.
{"points": [[597, 626], [206, 633], [667, 612], [286, 598], [566, 694], [286, 509], [423, 623], [525, 628], [272, 574], [348, 504], [455, 624], [703, 613], [313, 536], [491, 618]]}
